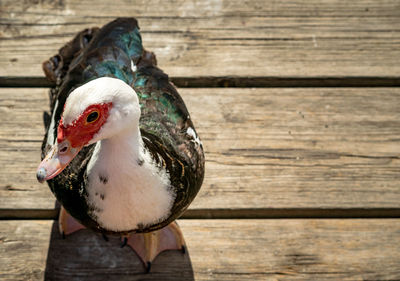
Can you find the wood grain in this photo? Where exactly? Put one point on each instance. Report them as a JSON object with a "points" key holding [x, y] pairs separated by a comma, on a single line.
{"points": [[265, 149], [218, 38], [217, 250]]}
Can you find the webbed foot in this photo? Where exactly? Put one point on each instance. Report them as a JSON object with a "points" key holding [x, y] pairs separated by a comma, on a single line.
{"points": [[67, 224], [149, 245]]}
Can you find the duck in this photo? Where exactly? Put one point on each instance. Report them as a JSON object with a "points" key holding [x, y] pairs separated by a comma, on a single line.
{"points": [[120, 152]]}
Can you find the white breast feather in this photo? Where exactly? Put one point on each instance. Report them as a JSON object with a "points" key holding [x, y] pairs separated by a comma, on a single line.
{"points": [[133, 194]]}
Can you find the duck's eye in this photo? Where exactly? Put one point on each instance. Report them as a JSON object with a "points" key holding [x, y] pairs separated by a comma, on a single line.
{"points": [[92, 117]]}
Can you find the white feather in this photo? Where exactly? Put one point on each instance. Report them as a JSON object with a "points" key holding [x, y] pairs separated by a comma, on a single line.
{"points": [[133, 66], [102, 90], [132, 194], [195, 137], [50, 132]]}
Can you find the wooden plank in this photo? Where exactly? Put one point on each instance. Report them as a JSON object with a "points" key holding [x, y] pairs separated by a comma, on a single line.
{"points": [[266, 149], [219, 38], [253, 250]]}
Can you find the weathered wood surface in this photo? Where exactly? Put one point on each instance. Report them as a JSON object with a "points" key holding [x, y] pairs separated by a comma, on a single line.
{"points": [[265, 148], [217, 250], [218, 38], [299, 152]]}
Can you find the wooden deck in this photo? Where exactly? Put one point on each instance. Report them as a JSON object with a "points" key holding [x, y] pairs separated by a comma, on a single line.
{"points": [[297, 104]]}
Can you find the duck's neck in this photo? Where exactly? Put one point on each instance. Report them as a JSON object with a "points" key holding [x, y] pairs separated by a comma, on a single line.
{"points": [[126, 188], [124, 149]]}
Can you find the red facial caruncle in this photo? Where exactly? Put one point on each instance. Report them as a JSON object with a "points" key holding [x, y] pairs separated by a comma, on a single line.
{"points": [[82, 129], [71, 139]]}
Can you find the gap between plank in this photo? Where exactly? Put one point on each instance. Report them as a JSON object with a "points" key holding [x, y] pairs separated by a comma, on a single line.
{"points": [[267, 213], [234, 81]]}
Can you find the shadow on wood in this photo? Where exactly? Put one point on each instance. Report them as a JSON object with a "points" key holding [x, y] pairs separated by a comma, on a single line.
{"points": [[85, 255]]}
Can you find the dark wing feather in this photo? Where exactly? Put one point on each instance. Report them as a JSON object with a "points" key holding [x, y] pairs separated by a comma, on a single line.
{"points": [[164, 124]]}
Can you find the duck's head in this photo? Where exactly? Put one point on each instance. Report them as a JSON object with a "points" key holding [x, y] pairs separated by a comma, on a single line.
{"points": [[99, 109]]}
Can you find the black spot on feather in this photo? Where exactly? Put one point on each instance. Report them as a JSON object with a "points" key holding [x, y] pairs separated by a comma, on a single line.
{"points": [[140, 161], [103, 179]]}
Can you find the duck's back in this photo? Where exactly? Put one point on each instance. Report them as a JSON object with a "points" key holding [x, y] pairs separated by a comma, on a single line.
{"points": [[167, 130]]}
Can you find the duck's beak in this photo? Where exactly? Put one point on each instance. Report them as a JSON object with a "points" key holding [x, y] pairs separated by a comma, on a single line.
{"points": [[56, 160]]}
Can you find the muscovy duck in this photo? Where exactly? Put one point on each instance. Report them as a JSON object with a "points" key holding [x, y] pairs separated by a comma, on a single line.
{"points": [[121, 153]]}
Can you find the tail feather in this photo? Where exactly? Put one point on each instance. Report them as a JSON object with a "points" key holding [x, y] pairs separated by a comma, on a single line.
{"points": [[57, 66]]}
